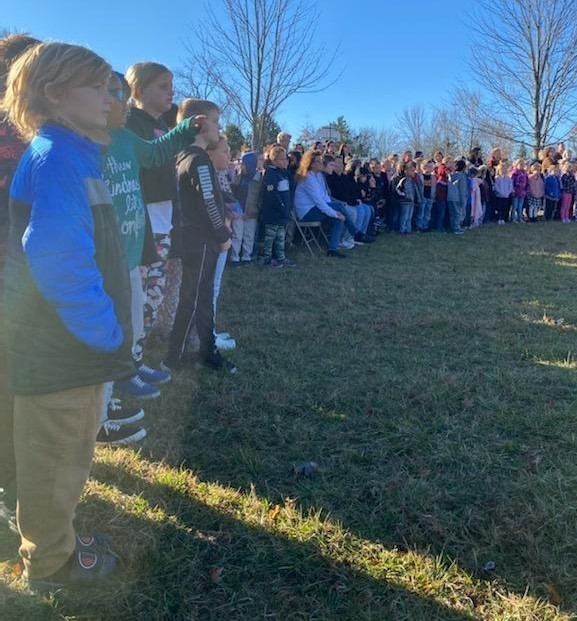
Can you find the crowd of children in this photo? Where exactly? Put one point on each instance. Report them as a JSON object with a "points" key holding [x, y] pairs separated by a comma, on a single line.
{"points": [[117, 219]]}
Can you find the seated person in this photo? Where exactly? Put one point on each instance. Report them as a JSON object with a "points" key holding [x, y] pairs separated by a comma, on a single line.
{"points": [[343, 188], [314, 204]]}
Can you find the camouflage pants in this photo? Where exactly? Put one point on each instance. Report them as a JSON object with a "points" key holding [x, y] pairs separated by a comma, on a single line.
{"points": [[274, 237], [154, 279]]}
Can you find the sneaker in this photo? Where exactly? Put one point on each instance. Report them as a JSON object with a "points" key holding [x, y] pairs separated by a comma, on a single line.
{"points": [[123, 416], [363, 239], [216, 362], [84, 566], [222, 335], [288, 262], [224, 344], [275, 264], [113, 434], [346, 245], [459, 232], [137, 388], [234, 263], [336, 254], [96, 541], [152, 376], [501, 222]]}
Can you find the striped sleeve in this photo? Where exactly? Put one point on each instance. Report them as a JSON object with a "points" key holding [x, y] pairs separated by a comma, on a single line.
{"points": [[214, 211]]}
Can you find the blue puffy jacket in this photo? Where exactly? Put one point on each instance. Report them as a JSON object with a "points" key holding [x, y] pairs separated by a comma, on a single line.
{"points": [[67, 290]]}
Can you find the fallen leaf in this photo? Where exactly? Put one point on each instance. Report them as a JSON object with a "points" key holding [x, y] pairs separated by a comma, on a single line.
{"points": [[274, 512], [17, 570]]}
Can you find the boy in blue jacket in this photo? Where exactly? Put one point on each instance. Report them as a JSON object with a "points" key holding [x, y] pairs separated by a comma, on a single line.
{"points": [[276, 206], [67, 322]]}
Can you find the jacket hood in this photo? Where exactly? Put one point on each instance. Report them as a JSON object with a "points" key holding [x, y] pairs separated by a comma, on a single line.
{"points": [[188, 151], [250, 159]]}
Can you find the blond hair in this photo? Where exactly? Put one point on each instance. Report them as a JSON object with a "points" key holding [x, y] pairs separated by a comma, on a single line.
{"points": [[276, 152], [141, 75], [47, 69], [195, 107], [502, 167]]}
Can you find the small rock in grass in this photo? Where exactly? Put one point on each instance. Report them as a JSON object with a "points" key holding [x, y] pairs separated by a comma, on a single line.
{"points": [[306, 469]]}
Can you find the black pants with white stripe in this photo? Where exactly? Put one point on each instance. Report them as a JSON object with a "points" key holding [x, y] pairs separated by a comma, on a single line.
{"points": [[195, 306]]}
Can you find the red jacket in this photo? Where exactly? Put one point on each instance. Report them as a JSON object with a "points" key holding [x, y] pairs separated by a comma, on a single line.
{"points": [[442, 173]]}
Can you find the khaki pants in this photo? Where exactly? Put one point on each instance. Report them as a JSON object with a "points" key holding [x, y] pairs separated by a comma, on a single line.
{"points": [[54, 439], [7, 466]]}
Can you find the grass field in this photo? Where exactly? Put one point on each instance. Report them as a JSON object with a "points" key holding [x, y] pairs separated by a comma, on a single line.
{"points": [[434, 381]]}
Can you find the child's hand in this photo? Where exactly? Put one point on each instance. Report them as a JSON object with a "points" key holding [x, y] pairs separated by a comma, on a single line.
{"points": [[226, 246]]}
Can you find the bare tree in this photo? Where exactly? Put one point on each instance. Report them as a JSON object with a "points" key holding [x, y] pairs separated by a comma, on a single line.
{"points": [[258, 54], [525, 56], [386, 142], [412, 123]]}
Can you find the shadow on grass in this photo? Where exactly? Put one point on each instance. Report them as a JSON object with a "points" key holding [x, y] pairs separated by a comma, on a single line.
{"points": [[433, 427], [415, 391], [204, 565]]}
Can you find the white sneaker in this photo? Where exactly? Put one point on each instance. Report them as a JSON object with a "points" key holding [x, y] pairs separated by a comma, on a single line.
{"points": [[222, 335], [346, 245], [224, 344], [501, 222]]}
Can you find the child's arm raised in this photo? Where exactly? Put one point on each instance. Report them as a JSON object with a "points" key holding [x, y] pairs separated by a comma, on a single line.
{"points": [[153, 153]]}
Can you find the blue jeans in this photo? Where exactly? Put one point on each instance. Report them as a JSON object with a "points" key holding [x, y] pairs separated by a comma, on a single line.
{"points": [[336, 226], [518, 208], [407, 210], [424, 214], [218, 272], [364, 215], [441, 211], [455, 216]]}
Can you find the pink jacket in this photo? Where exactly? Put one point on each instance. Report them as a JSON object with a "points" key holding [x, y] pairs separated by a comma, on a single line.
{"points": [[536, 185]]}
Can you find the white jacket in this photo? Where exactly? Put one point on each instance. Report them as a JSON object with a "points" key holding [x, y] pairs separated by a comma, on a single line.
{"points": [[312, 192]]}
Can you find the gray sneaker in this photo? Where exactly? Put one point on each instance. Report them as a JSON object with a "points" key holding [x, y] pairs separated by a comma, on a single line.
{"points": [[85, 566]]}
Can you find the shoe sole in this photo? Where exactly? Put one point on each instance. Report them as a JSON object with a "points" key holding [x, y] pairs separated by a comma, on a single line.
{"points": [[155, 383], [133, 439]]}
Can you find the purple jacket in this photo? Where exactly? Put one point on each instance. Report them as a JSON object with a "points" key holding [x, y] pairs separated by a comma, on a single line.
{"points": [[520, 183]]}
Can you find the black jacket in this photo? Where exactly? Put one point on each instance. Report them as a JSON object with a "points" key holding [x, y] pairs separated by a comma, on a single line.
{"points": [[202, 206], [158, 184], [276, 196]]}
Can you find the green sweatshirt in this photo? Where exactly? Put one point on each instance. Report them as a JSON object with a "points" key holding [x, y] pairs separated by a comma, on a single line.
{"points": [[126, 155]]}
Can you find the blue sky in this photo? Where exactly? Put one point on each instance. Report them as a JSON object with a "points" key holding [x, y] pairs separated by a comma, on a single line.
{"points": [[392, 57]]}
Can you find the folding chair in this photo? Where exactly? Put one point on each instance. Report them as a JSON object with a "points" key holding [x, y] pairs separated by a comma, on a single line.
{"points": [[309, 232]]}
